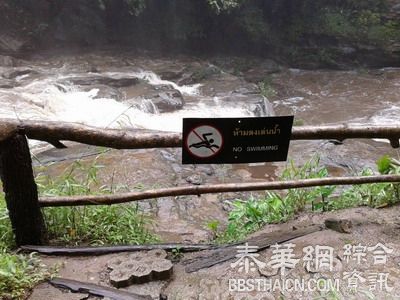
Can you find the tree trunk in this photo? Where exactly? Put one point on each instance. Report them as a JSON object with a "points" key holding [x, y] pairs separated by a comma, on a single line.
{"points": [[21, 191]]}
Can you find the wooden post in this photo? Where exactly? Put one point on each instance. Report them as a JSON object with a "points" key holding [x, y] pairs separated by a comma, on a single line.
{"points": [[21, 191]]}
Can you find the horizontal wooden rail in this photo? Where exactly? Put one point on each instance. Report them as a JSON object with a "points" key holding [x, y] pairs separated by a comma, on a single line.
{"points": [[213, 188], [21, 192], [53, 132]]}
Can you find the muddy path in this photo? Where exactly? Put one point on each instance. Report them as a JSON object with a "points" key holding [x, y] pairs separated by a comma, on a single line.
{"points": [[370, 227]]}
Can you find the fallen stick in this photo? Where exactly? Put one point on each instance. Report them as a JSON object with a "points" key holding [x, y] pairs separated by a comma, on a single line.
{"points": [[263, 241], [213, 188], [75, 251], [96, 290]]}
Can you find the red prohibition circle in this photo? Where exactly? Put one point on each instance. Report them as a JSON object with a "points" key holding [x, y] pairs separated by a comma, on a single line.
{"points": [[214, 152]]}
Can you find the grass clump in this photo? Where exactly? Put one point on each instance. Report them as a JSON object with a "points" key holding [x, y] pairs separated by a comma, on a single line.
{"points": [[375, 195], [20, 273], [94, 225]]}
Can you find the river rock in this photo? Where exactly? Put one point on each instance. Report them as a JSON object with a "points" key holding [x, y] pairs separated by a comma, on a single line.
{"points": [[257, 104], [339, 225], [19, 72], [140, 267], [195, 74], [102, 80], [195, 179], [156, 99], [168, 100], [171, 75], [105, 91], [261, 71]]}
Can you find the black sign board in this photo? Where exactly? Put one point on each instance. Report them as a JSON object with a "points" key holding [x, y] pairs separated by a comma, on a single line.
{"points": [[235, 140]]}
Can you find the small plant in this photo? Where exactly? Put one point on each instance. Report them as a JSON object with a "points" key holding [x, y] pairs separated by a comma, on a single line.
{"points": [[19, 273], [266, 88], [177, 254], [298, 198]]}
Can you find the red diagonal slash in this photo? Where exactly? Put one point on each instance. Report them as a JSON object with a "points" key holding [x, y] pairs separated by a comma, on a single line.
{"points": [[201, 139]]}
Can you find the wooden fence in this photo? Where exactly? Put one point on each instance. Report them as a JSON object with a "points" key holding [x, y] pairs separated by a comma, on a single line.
{"points": [[20, 188]]}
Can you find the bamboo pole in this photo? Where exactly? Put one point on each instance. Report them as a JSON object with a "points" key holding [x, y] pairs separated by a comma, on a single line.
{"points": [[213, 188], [53, 132]]}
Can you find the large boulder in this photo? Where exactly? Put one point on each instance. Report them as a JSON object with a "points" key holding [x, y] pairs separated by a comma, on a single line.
{"points": [[103, 80]]}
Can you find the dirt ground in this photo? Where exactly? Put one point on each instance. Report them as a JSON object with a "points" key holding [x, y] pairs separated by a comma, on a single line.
{"points": [[361, 273]]}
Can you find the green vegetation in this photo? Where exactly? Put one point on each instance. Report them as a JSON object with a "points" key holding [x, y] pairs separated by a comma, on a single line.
{"points": [[95, 225], [18, 273], [266, 88], [252, 214], [6, 234], [374, 194]]}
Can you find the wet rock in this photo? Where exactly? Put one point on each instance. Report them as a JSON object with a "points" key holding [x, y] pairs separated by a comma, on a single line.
{"points": [[168, 100], [261, 71], [140, 267], [105, 91], [157, 99], [108, 81], [259, 105], [195, 179], [200, 73], [171, 75], [339, 225], [16, 73]]}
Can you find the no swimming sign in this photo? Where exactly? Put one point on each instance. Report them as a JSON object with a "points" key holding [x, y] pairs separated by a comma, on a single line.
{"points": [[235, 140]]}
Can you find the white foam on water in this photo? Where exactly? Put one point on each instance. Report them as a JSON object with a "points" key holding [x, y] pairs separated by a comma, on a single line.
{"points": [[153, 79], [47, 99], [173, 121], [387, 116]]}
